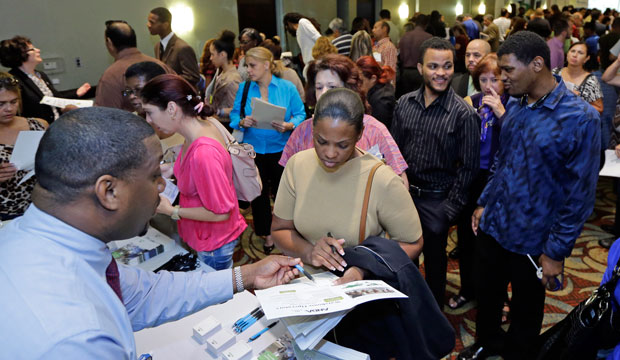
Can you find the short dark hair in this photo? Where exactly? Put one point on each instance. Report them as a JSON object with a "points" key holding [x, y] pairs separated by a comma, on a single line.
{"points": [[226, 43], [436, 43], [539, 26], [121, 34], [342, 104], [616, 23], [422, 20], [144, 69], [163, 14], [385, 14], [559, 26], [13, 52], [294, 18], [525, 46], [503, 12], [252, 33], [86, 143]]}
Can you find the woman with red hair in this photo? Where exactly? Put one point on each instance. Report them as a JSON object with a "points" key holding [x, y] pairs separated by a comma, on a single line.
{"points": [[377, 84], [339, 71]]}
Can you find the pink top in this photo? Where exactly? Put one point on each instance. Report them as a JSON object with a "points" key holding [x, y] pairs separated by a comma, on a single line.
{"points": [[375, 133], [204, 178]]}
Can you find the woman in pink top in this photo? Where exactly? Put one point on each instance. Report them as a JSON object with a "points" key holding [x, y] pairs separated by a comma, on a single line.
{"points": [[337, 71], [208, 213]]}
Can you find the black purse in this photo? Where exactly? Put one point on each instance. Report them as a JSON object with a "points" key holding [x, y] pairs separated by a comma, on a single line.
{"points": [[591, 326]]}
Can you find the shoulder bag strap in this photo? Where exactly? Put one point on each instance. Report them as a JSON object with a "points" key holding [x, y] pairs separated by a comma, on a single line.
{"points": [[244, 98], [365, 204]]}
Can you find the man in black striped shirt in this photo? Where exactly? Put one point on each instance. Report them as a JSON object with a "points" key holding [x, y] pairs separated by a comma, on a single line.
{"points": [[438, 135]]}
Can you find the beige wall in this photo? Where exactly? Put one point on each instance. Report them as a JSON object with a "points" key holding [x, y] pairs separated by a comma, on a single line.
{"points": [[68, 29]]}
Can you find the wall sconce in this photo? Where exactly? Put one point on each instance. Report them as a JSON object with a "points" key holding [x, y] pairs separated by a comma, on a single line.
{"points": [[509, 8], [182, 19], [458, 9], [482, 9], [403, 11]]}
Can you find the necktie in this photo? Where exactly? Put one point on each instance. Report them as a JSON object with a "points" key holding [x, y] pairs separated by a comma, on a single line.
{"points": [[113, 278], [161, 51]]}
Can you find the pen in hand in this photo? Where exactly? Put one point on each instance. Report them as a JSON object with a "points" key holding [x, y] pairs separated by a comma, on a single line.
{"points": [[305, 273], [329, 234]]}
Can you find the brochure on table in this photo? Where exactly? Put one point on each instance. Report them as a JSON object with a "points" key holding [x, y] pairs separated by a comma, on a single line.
{"points": [[308, 298]]}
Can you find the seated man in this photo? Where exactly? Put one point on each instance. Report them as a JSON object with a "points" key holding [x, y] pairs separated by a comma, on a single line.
{"points": [[63, 295]]}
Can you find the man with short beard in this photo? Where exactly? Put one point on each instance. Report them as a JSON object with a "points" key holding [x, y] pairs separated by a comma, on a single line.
{"points": [[438, 135]]}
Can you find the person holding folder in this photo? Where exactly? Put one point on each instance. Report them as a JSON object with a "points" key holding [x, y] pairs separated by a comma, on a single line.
{"points": [[265, 84]]}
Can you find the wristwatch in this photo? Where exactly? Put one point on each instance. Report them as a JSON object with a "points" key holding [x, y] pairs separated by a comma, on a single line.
{"points": [[175, 213]]}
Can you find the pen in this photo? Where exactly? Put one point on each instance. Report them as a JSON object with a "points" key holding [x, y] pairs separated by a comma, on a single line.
{"points": [[247, 317], [255, 336], [329, 234], [246, 324], [301, 270]]}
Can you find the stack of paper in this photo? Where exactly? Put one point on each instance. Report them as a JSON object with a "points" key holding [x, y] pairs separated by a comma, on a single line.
{"points": [[311, 309], [139, 249]]}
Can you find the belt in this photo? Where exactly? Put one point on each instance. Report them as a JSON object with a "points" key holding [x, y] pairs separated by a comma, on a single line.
{"points": [[419, 192]]}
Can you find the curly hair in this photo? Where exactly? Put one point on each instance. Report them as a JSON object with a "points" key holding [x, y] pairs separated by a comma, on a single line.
{"points": [[13, 52], [206, 66], [322, 47], [345, 68]]}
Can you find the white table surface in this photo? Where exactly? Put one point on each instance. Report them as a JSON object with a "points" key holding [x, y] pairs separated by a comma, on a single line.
{"points": [[174, 340]]}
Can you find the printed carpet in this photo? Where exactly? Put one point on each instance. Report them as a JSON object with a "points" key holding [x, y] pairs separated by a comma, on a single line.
{"points": [[583, 269]]}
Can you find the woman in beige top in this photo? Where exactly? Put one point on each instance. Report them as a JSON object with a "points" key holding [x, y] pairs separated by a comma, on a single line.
{"points": [[227, 79], [321, 192]]}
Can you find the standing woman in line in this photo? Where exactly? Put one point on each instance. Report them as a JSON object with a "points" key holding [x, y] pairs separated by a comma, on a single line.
{"points": [[14, 197], [265, 84], [248, 38], [208, 212], [21, 56], [227, 80], [376, 82]]}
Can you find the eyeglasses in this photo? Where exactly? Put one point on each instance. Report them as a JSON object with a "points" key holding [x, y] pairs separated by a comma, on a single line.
{"points": [[129, 92]]}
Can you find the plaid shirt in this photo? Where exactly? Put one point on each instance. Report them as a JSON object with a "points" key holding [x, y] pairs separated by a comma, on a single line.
{"points": [[388, 52]]}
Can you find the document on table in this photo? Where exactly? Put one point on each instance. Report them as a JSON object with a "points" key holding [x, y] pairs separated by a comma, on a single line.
{"points": [[612, 164], [265, 113], [306, 298], [61, 102]]}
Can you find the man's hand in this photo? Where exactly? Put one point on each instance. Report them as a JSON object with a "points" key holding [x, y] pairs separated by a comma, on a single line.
{"points": [[7, 171], [475, 219], [328, 252], [551, 268], [271, 271], [352, 274], [617, 150], [164, 207]]}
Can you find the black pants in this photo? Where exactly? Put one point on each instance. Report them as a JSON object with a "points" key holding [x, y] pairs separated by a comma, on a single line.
{"points": [[270, 173], [409, 80], [435, 226], [495, 268], [466, 237]]}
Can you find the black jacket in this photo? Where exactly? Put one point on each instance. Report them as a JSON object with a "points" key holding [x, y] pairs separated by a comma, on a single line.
{"points": [[411, 328], [31, 96], [382, 101]]}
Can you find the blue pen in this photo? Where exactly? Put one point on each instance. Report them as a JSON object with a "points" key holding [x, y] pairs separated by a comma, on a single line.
{"points": [[304, 272], [255, 336]]}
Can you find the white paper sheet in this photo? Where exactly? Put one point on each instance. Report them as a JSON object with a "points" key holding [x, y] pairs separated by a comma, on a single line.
{"points": [[612, 164], [265, 113], [615, 50], [304, 298], [171, 191], [25, 149], [61, 102]]}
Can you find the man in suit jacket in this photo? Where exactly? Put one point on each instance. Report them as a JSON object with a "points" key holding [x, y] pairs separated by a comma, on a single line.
{"points": [[463, 83], [171, 49], [492, 32]]}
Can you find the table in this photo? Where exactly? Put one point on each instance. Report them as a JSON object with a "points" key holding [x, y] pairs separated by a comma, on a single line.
{"points": [[174, 340]]}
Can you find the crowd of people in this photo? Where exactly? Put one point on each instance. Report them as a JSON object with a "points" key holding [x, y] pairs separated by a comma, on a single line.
{"points": [[497, 126]]}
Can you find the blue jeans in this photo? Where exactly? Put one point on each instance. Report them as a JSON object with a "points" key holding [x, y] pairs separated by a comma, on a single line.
{"points": [[219, 259]]}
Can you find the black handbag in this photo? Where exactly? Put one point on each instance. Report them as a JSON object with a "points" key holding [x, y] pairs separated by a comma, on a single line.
{"points": [[591, 326]]}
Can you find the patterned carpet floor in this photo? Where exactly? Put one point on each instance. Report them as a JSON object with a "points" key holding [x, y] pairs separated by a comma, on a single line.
{"points": [[583, 270]]}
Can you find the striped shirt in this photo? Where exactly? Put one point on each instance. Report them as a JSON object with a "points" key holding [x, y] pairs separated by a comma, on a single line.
{"points": [[343, 44], [375, 133], [441, 144], [389, 54]]}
